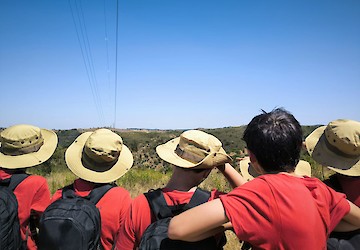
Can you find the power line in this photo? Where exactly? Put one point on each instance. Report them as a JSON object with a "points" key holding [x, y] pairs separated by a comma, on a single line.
{"points": [[107, 50], [116, 57], [87, 56]]}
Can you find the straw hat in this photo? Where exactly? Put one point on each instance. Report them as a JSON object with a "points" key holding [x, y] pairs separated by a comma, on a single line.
{"points": [[193, 149], [249, 172], [25, 146], [337, 146], [99, 156]]}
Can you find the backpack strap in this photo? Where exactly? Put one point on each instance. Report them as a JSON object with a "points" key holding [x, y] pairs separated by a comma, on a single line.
{"points": [[199, 197], [95, 195], [158, 204], [161, 209], [16, 179]]}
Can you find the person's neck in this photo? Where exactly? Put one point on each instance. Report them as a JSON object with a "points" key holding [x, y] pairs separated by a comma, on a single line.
{"points": [[184, 187], [291, 174]]}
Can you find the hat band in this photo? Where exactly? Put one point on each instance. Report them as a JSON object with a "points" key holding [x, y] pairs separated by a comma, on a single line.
{"points": [[187, 156], [22, 151], [335, 150], [93, 165]]}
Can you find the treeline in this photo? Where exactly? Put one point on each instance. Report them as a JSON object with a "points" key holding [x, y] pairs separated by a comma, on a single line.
{"points": [[142, 144]]}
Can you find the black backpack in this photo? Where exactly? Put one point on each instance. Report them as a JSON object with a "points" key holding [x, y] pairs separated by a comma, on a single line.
{"points": [[155, 236], [72, 222], [10, 237]]}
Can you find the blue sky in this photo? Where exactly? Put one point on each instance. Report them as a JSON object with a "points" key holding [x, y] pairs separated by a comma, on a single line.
{"points": [[180, 63]]}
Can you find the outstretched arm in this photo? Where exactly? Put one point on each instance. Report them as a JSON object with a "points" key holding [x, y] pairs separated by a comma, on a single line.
{"points": [[351, 221], [199, 222], [234, 177]]}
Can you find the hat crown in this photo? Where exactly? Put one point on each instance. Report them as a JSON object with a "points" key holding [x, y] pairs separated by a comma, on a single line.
{"points": [[20, 136], [344, 135], [199, 143], [103, 146]]}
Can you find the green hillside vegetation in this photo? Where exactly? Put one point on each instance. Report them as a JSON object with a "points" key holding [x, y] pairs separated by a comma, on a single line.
{"points": [[142, 144]]}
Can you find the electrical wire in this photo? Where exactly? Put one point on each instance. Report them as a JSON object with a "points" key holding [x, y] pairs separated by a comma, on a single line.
{"points": [[84, 43], [116, 59]]}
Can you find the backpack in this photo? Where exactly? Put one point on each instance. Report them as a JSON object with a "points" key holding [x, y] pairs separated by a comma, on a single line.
{"points": [[10, 237], [72, 222], [348, 241], [155, 236]]}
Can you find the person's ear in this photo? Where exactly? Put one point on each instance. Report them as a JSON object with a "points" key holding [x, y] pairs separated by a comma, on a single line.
{"points": [[255, 163], [252, 157]]}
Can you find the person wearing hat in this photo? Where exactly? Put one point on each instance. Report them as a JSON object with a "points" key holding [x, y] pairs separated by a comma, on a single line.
{"points": [[99, 158], [337, 147], [193, 155], [279, 209], [24, 146]]}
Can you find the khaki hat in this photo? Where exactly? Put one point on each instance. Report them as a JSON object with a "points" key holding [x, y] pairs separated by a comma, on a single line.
{"points": [[249, 172], [99, 156], [194, 149], [337, 146], [25, 146]]}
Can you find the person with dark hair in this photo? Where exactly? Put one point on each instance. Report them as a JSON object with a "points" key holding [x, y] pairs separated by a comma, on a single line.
{"points": [[193, 155], [279, 209]]}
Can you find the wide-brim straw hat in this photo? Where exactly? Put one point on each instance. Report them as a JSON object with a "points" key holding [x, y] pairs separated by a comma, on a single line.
{"points": [[303, 168], [99, 156], [25, 146], [194, 149], [337, 146]]}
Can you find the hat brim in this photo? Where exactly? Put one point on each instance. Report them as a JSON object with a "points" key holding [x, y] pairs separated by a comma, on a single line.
{"points": [[317, 147], [247, 170], [167, 153], [73, 160], [303, 168], [34, 158]]}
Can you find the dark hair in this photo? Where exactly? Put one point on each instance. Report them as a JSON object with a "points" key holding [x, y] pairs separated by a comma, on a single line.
{"points": [[275, 138]]}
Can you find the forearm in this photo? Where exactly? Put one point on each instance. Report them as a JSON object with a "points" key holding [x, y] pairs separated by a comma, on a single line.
{"points": [[234, 177], [352, 218], [344, 226], [199, 223]]}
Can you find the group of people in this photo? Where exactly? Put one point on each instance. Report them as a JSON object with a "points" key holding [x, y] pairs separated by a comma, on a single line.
{"points": [[274, 204]]}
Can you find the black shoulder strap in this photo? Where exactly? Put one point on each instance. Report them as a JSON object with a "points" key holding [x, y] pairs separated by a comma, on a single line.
{"points": [[95, 195], [68, 192], [200, 196], [158, 204], [16, 179], [161, 209]]}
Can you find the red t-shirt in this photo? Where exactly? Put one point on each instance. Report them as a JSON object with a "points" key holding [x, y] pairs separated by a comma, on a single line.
{"points": [[31, 194], [139, 216], [279, 211], [112, 206]]}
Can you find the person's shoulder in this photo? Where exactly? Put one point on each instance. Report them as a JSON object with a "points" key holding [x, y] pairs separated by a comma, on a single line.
{"points": [[139, 203], [117, 190], [35, 180], [57, 195]]}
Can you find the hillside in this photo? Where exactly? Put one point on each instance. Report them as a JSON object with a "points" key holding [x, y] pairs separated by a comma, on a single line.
{"points": [[142, 144]]}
